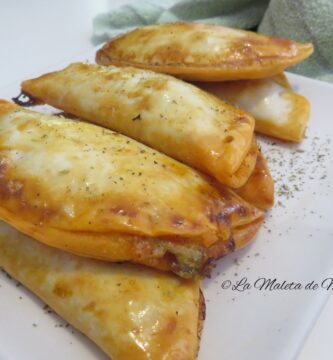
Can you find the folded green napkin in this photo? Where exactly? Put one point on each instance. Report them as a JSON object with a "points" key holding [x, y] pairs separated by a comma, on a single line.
{"points": [[302, 20]]}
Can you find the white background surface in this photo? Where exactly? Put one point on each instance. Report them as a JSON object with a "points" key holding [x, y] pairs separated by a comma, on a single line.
{"points": [[37, 34]]}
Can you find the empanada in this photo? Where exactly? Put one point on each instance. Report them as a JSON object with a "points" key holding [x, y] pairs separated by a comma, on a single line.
{"points": [[97, 193], [203, 52], [129, 311], [163, 112], [259, 188], [277, 109]]}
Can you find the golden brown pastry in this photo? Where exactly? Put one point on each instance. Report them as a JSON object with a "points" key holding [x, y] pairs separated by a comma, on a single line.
{"points": [[277, 109], [244, 172], [203, 52], [163, 112], [97, 193], [129, 311], [259, 189]]}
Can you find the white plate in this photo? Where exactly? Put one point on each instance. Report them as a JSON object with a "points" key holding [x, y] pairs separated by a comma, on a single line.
{"points": [[295, 244]]}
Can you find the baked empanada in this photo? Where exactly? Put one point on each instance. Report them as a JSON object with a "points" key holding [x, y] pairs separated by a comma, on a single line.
{"points": [[203, 52], [259, 188], [97, 193], [163, 112], [129, 311], [277, 109]]}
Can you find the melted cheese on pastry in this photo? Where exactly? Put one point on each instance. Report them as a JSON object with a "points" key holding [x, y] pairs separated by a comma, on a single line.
{"points": [[165, 113], [131, 312], [277, 109], [97, 193], [203, 52]]}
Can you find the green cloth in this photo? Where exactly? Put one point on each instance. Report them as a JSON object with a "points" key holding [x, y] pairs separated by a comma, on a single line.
{"points": [[244, 14], [305, 21], [302, 20]]}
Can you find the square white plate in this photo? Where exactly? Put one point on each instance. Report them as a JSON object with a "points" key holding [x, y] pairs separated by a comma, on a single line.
{"points": [[294, 245]]}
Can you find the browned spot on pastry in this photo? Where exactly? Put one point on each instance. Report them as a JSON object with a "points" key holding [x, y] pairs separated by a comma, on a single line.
{"points": [[282, 41], [164, 54], [226, 194], [171, 325], [24, 126], [156, 83], [46, 213], [89, 307], [62, 290], [228, 139], [10, 188]]}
